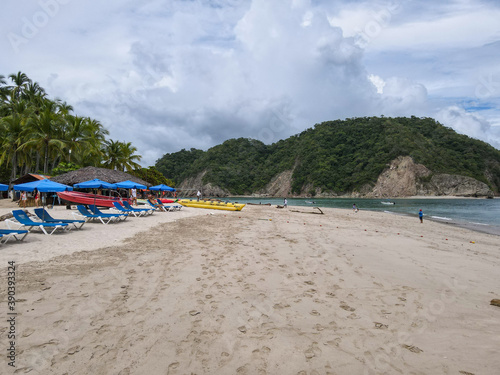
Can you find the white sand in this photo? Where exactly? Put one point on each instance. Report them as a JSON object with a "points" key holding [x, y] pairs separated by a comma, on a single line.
{"points": [[262, 291]]}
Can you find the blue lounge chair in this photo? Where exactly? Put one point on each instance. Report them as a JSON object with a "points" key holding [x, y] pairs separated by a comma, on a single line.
{"points": [[125, 211], [96, 211], [144, 211], [45, 217], [157, 206], [7, 234], [87, 216], [24, 221], [166, 208]]}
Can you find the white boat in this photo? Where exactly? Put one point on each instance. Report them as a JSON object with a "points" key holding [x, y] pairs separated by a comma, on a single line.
{"points": [[388, 202]]}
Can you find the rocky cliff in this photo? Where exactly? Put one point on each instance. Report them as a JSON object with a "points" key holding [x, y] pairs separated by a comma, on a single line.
{"points": [[402, 178], [405, 178], [190, 186]]}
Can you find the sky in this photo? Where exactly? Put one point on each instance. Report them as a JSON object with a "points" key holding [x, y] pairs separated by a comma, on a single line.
{"points": [[173, 74]]}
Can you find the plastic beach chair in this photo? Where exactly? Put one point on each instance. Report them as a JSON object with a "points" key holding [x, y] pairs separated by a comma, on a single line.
{"points": [[158, 206], [170, 208], [96, 211], [167, 208], [7, 234], [45, 217], [144, 211], [126, 211], [87, 216], [24, 221]]}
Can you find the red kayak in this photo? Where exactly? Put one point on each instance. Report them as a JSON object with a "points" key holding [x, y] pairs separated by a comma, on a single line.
{"points": [[98, 200], [88, 198]]}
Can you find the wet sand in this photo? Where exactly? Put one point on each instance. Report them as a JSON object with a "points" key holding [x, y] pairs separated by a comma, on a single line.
{"points": [[261, 291]]}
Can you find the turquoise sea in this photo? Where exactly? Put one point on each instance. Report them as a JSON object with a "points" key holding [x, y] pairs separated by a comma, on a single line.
{"points": [[477, 214]]}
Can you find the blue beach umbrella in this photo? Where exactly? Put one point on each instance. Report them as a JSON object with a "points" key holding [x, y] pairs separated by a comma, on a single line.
{"points": [[43, 186], [94, 184], [162, 187], [130, 185], [4, 187]]}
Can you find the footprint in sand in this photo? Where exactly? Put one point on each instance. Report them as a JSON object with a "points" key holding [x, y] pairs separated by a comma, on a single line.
{"points": [[335, 342], [74, 349], [28, 332], [412, 348], [173, 366], [346, 307], [313, 351]]}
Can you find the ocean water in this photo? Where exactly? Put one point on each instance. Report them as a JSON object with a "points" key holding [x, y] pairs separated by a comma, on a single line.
{"points": [[478, 214]]}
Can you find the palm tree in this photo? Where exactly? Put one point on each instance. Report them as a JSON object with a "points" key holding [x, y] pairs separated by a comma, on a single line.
{"points": [[120, 156], [129, 163], [20, 81], [36, 129], [44, 133], [77, 135], [11, 128]]}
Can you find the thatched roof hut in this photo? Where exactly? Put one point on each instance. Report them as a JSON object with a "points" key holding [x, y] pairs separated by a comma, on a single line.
{"points": [[90, 173]]}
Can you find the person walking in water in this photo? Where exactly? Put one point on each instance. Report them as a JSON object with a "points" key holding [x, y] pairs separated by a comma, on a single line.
{"points": [[421, 216]]}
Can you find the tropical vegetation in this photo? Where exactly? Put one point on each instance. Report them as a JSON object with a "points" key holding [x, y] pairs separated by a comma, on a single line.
{"points": [[337, 157], [42, 135]]}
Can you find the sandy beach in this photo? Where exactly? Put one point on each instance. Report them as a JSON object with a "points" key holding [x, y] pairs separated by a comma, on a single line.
{"points": [[261, 291]]}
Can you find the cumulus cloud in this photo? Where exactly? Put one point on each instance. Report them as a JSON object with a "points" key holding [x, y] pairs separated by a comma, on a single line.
{"points": [[400, 96], [470, 124], [168, 74]]}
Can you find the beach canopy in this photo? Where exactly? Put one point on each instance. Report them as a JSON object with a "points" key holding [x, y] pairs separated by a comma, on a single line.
{"points": [[4, 187], [43, 186], [130, 185], [162, 187], [94, 184]]}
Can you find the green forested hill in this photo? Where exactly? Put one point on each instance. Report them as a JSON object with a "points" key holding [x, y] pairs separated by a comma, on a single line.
{"points": [[338, 156]]}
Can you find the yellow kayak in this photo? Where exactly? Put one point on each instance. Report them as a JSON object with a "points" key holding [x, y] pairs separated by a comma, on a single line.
{"points": [[211, 205]]}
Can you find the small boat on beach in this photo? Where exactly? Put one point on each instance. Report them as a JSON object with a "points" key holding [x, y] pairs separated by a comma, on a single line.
{"points": [[77, 197], [214, 205]]}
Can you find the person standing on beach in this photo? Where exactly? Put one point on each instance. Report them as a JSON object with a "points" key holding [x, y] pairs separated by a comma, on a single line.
{"points": [[133, 194], [421, 216], [37, 197], [355, 208], [24, 198], [198, 194], [285, 203]]}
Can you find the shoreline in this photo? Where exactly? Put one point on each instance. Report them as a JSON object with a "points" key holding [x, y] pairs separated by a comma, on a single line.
{"points": [[474, 227], [354, 197], [258, 291]]}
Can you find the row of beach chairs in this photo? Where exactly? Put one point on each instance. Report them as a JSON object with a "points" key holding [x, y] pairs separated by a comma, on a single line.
{"points": [[48, 225]]}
